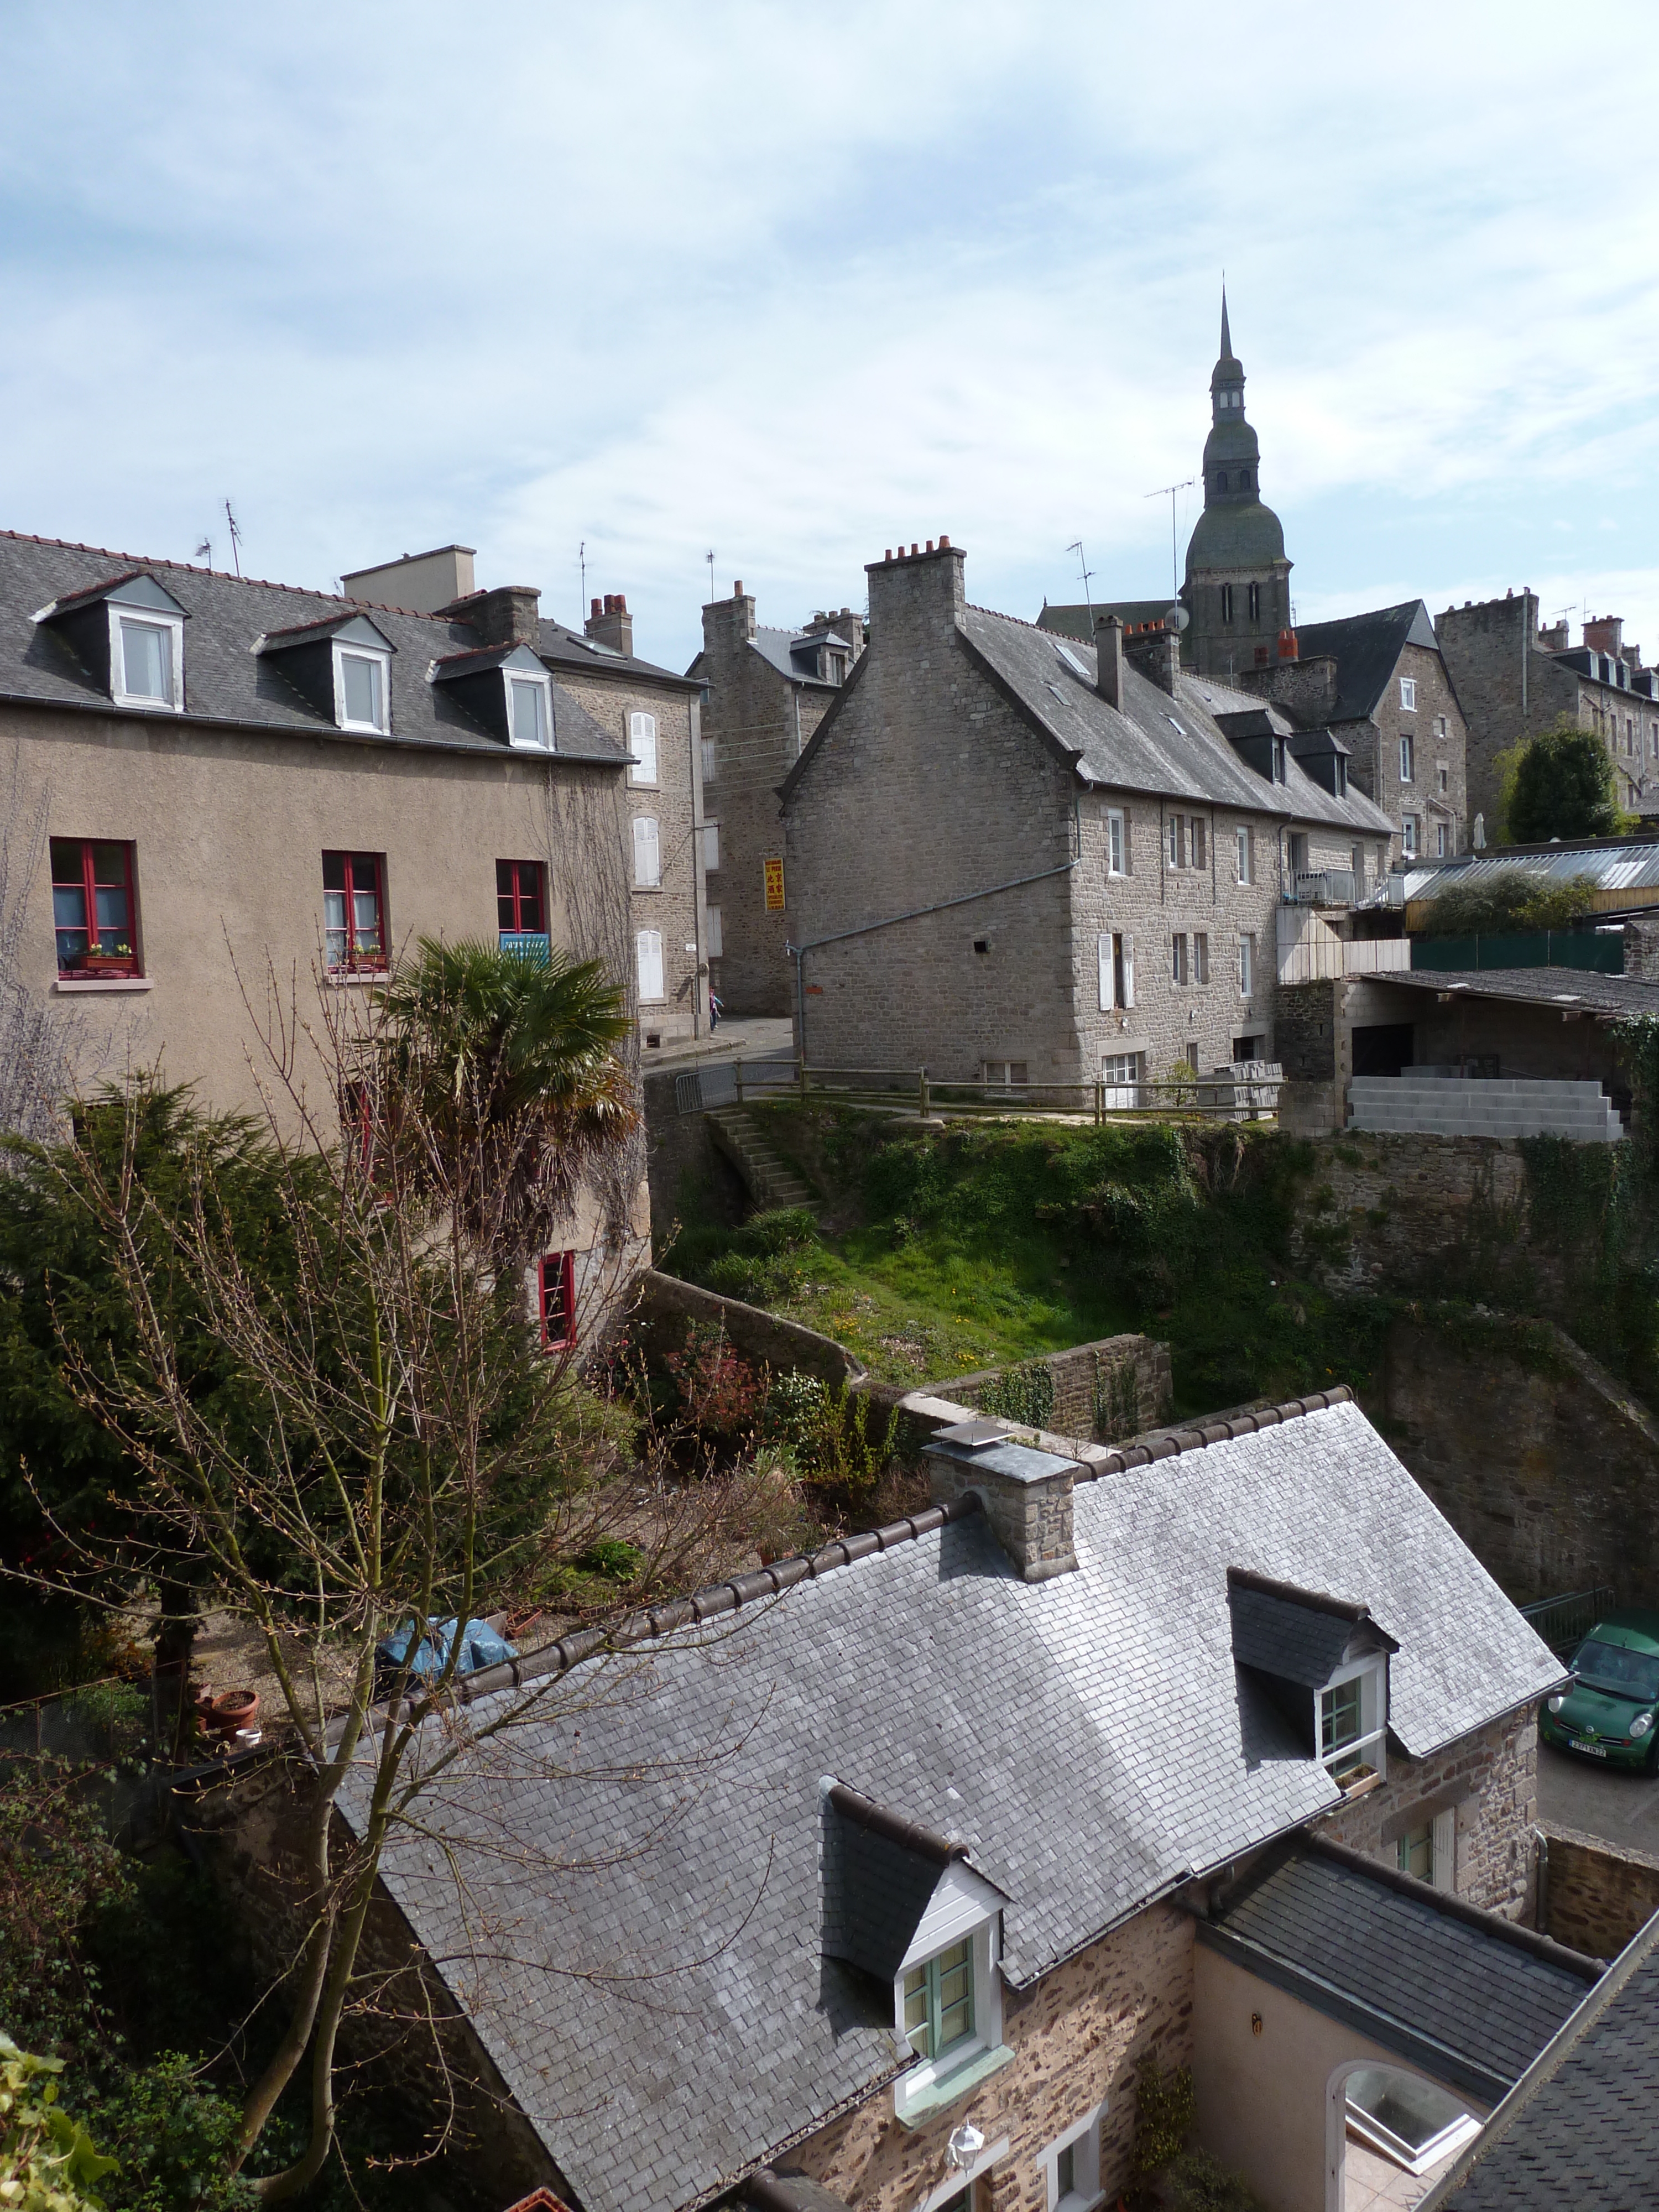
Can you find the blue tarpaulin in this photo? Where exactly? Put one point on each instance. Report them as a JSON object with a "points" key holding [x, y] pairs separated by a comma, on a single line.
{"points": [[480, 1647]]}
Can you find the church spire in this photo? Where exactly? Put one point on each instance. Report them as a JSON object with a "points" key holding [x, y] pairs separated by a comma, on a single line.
{"points": [[1226, 336]]}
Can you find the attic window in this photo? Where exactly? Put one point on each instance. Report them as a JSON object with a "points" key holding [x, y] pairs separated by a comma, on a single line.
{"points": [[529, 720], [1175, 725], [1353, 1721], [360, 689], [1058, 693], [145, 663], [130, 635]]}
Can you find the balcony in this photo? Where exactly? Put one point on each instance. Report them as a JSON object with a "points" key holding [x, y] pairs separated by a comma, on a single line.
{"points": [[1321, 887], [1311, 951]]}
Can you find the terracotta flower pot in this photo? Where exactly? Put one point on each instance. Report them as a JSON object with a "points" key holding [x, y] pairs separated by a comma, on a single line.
{"points": [[236, 1709]]}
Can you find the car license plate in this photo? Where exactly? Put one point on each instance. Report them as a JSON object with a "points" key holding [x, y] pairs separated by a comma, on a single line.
{"points": [[1596, 1750]]}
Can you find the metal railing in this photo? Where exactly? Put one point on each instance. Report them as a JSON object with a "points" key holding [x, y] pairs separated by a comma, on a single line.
{"points": [[1245, 1092], [1564, 1622], [1321, 887]]}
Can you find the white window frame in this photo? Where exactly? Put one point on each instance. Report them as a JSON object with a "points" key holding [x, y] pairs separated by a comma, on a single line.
{"points": [[642, 742], [710, 760], [711, 848], [1104, 975], [1119, 1083], [1442, 1848], [653, 844], [1371, 1744], [1407, 757], [1082, 2139], [715, 942], [1408, 835], [172, 628], [376, 659], [1443, 840], [962, 1910], [1200, 956], [1246, 862], [544, 684], [1246, 963], [644, 938], [1408, 695], [1116, 844]]}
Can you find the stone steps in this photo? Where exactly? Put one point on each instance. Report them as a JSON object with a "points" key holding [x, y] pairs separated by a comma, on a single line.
{"points": [[769, 1182], [1451, 1106]]}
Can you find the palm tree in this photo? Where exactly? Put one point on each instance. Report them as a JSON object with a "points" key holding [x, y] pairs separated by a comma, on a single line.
{"points": [[496, 1082]]}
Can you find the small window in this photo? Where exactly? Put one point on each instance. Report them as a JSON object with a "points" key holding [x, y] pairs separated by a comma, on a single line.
{"points": [[1408, 695], [1244, 485], [1114, 846], [1408, 835], [1415, 1852], [1120, 1077], [1408, 760], [1256, 606], [1352, 1721], [1202, 957], [939, 2001], [528, 721], [1071, 2167], [556, 1300], [1440, 729], [1175, 839], [521, 897], [1443, 839], [716, 945], [642, 743], [354, 910], [1178, 958], [710, 761], [1196, 841], [92, 907], [146, 662], [1246, 853], [1280, 756], [1356, 862], [361, 691], [1006, 1072], [648, 853], [1442, 775], [648, 957], [1226, 589], [1247, 964], [1226, 599], [711, 846]]}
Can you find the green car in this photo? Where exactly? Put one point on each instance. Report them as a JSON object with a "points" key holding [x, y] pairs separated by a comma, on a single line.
{"points": [[1610, 1709]]}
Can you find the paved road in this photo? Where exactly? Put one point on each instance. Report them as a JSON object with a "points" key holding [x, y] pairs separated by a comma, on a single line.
{"points": [[1598, 1801]]}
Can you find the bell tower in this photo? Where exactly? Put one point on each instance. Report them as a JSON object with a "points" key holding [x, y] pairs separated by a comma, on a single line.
{"points": [[1238, 590]]}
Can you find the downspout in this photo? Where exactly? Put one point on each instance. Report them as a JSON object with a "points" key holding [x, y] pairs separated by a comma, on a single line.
{"points": [[798, 952]]}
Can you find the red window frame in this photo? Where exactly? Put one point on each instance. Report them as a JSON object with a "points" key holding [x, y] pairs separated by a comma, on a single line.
{"points": [[556, 1299], [84, 880], [353, 867], [521, 894]]}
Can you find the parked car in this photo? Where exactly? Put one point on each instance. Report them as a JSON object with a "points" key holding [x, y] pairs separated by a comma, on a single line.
{"points": [[1610, 1709]]}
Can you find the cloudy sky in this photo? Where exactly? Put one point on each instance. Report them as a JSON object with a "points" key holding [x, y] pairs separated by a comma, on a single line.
{"points": [[792, 283]]}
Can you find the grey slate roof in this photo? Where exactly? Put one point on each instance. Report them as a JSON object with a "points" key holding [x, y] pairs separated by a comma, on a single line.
{"points": [[1088, 1739], [1078, 622], [1366, 649], [777, 647], [1172, 747], [1470, 2007], [1568, 987], [1581, 2127], [1292, 1637], [226, 681]]}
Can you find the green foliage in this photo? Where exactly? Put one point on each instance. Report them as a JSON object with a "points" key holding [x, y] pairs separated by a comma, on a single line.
{"points": [[1195, 2182], [837, 1438], [1512, 899], [1023, 1394], [1564, 786], [763, 1262], [47, 2160], [171, 2135], [1165, 2108], [612, 1558]]}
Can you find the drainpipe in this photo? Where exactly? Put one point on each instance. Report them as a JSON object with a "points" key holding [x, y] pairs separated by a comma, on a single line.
{"points": [[694, 764], [798, 952]]}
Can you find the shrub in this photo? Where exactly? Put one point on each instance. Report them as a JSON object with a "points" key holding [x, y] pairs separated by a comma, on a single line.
{"points": [[1164, 2107], [1196, 2182], [1512, 899], [1563, 787]]}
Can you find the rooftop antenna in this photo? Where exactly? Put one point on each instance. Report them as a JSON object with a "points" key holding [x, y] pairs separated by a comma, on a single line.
{"points": [[1086, 573], [1186, 484], [709, 557], [204, 551], [235, 537], [581, 563]]}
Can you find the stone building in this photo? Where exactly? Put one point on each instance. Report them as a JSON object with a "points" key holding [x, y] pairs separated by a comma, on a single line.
{"points": [[1379, 683], [871, 1880], [225, 792], [764, 693], [1515, 678], [1014, 859]]}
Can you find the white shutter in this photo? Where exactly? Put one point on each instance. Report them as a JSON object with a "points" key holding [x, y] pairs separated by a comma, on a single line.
{"points": [[1107, 1001], [649, 950], [1128, 969], [1444, 1873], [716, 936], [647, 853], [711, 845], [642, 743]]}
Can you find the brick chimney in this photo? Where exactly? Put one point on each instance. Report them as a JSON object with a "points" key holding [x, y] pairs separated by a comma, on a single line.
{"points": [[1155, 649], [1026, 1494], [1605, 634], [916, 593], [1108, 652], [510, 614], [611, 623]]}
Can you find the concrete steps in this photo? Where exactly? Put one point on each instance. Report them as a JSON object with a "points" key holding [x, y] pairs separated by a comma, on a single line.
{"points": [[770, 1183], [1454, 1106]]}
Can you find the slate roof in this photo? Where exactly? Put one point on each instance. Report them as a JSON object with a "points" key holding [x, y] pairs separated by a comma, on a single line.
{"points": [[1232, 533], [1172, 747], [226, 681], [1581, 2127], [1089, 1739], [777, 647], [1366, 649], [1289, 1633], [1460, 1999], [1078, 622], [1567, 987]]}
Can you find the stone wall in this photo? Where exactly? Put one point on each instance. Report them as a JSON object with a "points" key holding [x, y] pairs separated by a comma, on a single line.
{"points": [[1077, 2036], [666, 1311], [1383, 1211], [1542, 1461], [1491, 1778], [1104, 1392], [678, 1150], [1595, 1895]]}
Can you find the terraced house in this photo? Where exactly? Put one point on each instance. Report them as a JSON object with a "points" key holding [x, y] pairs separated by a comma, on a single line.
{"points": [[220, 787], [1020, 859], [890, 1867]]}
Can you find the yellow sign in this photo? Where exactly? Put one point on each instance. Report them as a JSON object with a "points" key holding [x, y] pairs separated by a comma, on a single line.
{"points": [[774, 886]]}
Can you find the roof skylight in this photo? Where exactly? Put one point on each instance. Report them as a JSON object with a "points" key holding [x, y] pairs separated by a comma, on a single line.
{"points": [[1071, 661]]}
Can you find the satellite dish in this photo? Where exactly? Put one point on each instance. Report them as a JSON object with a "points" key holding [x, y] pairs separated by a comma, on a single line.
{"points": [[1177, 619]]}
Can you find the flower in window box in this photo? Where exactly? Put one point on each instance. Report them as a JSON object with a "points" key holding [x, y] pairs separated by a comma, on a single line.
{"points": [[104, 960]]}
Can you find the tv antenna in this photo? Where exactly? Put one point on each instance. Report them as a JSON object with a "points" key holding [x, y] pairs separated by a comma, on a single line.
{"points": [[205, 552], [1186, 484], [1086, 573], [709, 557], [235, 537], [582, 563]]}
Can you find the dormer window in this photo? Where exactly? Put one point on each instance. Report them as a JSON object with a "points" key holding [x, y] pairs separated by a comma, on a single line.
{"points": [[505, 688], [130, 634], [1323, 1664], [362, 689], [1352, 1709], [341, 666], [145, 660], [530, 720]]}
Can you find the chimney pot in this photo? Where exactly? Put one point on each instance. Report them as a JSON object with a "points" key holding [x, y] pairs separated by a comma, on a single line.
{"points": [[930, 545], [944, 542], [594, 609], [737, 589], [913, 544]]}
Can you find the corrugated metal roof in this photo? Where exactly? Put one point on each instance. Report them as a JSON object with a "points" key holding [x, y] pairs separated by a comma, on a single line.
{"points": [[1612, 867]]}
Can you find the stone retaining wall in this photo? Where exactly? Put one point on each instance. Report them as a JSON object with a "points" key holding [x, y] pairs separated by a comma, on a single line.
{"points": [[1104, 1393], [667, 1310], [1595, 1895]]}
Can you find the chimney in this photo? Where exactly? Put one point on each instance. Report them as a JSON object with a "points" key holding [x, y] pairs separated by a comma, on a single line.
{"points": [[1553, 637], [914, 595], [1155, 649], [611, 623], [510, 614], [1026, 1493], [1109, 652], [1605, 634], [842, 621], [729, 625], [422, 582]]}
